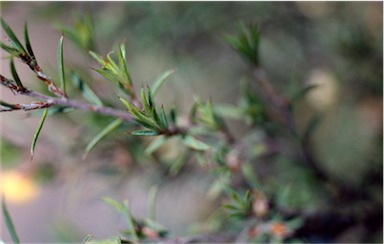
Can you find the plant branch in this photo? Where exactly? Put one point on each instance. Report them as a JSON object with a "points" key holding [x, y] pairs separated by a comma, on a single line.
{"points": [[282, 107], [49, 101]]}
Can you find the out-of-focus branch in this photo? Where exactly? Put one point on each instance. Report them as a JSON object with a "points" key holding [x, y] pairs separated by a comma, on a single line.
{"points": [[281, 106]]}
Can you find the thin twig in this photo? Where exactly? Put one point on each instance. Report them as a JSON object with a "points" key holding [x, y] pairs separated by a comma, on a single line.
{"points": [[52, 101]]}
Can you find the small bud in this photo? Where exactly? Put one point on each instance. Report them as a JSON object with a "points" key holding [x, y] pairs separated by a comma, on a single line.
{"points": [[260, 204], [149, 233], [233, 160], [279, 229]]}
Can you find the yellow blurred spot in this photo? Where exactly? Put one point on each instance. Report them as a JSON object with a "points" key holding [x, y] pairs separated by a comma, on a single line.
{"points": [[17, 187], [325, 92]]}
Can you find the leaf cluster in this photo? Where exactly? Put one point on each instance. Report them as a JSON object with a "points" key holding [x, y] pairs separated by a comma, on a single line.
{"points": [[246, 42]]}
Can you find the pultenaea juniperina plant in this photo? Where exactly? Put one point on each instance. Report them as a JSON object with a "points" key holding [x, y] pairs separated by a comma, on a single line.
{"points": [[250, 210]]}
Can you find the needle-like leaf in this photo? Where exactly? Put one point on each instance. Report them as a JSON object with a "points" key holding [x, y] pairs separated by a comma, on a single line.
{"points": [[27, 42], [195, 144], [152, 202], [144, 133], [11, 50], [160, 81], [37, 133], [163, 118], [15, 75], [110, 127], [8, 222], [60, 63], [123, 63], [13, 38], [155, 144], [85, 89]]}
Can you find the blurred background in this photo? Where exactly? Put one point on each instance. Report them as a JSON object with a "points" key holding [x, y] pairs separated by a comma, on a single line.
{"points": [[56, 197]]}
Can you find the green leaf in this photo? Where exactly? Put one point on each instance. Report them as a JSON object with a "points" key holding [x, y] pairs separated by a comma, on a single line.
{"points": [[195, 144], [144, 133], [15, 75], [123, 63], [37, 133], [114, 204], [124, 209], [152, 202], [229, 111], [129, 220], [311, 127], [126, 103], [179, 162], [85, 89], [27, 42], [10, 50], [151, 102], [250, 176], [302, 92], [108, 129], [98, 58], [8, 222], [155, 144], [172, 115], [144, 101], [13, 38], [60, 63], [112, 66], [87, 239], [139, 116], [246, 42], [7, 105], [160, 81], [163, 118]]}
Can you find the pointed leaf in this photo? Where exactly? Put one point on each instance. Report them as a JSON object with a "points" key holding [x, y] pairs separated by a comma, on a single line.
{"points": [[8, 222], [229, 111], [123, 63], [152, 202], [144, 133], [108, 129], [155, 116], [250, 175], [139, 116], [155, 144], [15, 75], [85, 89], [302, 92], [87, 238], [311, 127], [144, 101], [10, 50], [163, 118], [160, 81], [195, 144], [126, 103], [129, 220], [112, 66], [116, 205], [60, 63], [13, 39], [98, 58], [151, 102], [27, 42], [172, 115], [37, 133]]}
